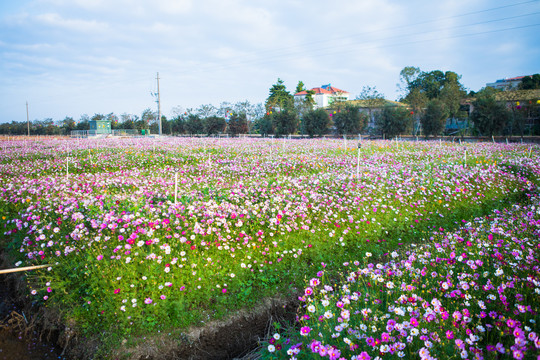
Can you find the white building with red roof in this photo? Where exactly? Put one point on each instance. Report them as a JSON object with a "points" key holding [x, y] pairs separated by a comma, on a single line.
{"points": [[507, 83], [324, 95]]}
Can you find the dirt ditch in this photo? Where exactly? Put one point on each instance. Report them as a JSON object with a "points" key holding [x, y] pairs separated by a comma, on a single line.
{"points": [[21, 337], [31, 333]]}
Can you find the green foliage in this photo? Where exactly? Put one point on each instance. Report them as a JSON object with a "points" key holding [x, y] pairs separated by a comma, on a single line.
{"points": [[434, 118], [348, 120], [315, 122], [264, 125], [300, 87], [421, 86], [238, 124], [279, 98], [489, 116], [214, 125], [284, 122], [194, 124], [392, 121], [530, 82]]}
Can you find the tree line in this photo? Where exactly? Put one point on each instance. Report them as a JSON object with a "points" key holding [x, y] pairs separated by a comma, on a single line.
{"points": [[429, 103]]}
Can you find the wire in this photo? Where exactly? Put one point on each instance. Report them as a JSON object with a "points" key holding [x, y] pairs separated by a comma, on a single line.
{"points": [[322, 50], [275, 51]]}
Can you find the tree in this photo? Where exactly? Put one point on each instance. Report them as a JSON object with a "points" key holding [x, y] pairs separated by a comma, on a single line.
{"points": [[429, 83], [393, 121], [178, 125], [127, 121], [489, 116], [348, 120], [83, 123], [214, 125], [371, 99], [452, 93], [98, 117], [279, 99], [300, 87], [434, 118], [530, 82], [148, 117], [303, 104], [224, 109], [206, 110], [406, 76], [68, 125], [284, 122], [238, 124], [315, 122], [194, 124], [264, 126]]}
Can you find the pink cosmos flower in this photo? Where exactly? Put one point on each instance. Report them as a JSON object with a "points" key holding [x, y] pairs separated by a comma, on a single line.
{"points": [[364, 356], [147, 301], [99, 257], [305, 330], [333, 354]]}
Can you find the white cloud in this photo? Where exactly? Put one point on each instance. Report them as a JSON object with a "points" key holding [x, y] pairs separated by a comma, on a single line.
{"points": [[79, 25]]}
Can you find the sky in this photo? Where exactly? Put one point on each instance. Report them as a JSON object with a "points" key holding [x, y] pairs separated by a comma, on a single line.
{"points": [[75, 57]]}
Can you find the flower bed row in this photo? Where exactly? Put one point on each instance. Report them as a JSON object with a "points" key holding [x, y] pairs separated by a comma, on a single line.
{"points": [[251, 219], [469, 294]]}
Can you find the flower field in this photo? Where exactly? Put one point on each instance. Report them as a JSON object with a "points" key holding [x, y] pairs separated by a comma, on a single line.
{"points": [[144, 236]]}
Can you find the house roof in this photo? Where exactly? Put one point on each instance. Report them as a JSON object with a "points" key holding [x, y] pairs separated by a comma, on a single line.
{"points": [[379, 103], [516, 78], [330, 90], [518, 95]]}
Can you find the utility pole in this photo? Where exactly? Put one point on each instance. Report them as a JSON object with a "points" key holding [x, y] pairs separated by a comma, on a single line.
{"points": [[27, 119], [158, 104]]}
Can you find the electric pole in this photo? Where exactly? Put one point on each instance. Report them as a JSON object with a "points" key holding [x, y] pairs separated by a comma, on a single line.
{"points": [[27, 119], [158, 104]]}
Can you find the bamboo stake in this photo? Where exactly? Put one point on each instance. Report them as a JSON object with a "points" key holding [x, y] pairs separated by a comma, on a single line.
{"points": [[26, 268], [358, 162], [175, 187]]}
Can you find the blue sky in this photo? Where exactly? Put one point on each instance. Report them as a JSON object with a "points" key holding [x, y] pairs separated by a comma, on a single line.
{"points": [[74, 57]]}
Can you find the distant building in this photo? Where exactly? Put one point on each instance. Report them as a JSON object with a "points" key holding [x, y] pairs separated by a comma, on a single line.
{"points": [[324, 95], [98, 127], [507, 84]]}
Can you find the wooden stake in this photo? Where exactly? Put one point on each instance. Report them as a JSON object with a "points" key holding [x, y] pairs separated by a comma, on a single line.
{"points": [[26, 268]]}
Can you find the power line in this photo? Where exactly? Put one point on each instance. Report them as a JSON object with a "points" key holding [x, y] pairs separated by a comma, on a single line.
{"points": [[275, 52], [324, 50]]}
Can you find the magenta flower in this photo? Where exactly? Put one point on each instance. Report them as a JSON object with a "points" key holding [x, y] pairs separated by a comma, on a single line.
{"points": [[333, 354], [116, 291], [147, 301], [99, 257], [364, 356], [450, 334], [315, 346], [305, 330]]}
